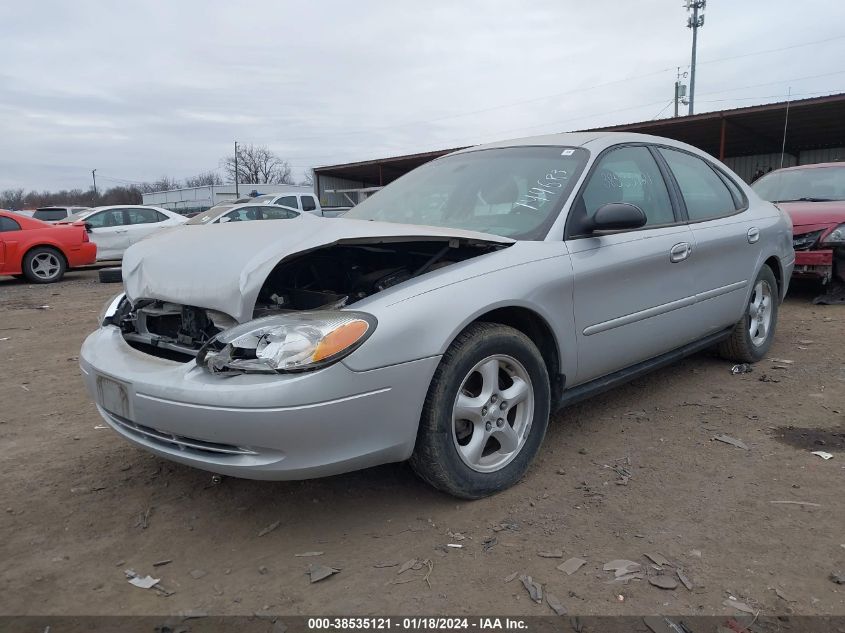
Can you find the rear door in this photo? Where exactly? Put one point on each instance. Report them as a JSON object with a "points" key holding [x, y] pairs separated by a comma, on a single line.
{"points": [[308, 204], [291, 201], [109, 231], [727, 246], [143, 222], [633, 294]]}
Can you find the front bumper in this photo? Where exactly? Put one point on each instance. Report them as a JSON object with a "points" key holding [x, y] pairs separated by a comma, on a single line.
{"points": [[818, 263], [286, 426]]}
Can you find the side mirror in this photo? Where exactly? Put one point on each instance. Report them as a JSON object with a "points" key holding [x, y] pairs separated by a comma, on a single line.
{"points": [[88, 227], [225, 218], [617, 216]]}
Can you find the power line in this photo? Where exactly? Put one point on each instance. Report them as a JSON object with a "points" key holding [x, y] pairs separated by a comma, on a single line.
{"points": [[573, 91]]}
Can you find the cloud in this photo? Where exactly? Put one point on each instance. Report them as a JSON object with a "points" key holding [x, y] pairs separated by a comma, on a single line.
{"points": [[145, 89]]}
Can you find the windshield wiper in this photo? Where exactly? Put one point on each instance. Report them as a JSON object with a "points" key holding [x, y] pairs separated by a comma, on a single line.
{"points": [[808, 199]]}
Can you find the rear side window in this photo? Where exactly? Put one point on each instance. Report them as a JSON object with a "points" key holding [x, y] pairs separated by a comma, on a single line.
{"points": [[8, 224], [50, 215], [288, 201], [144, 216], [308, 203], [705, 194], [277, 213]]}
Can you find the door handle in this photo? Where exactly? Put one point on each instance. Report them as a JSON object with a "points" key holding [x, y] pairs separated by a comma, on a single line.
{"points": [[680, 252], [753, 234]]}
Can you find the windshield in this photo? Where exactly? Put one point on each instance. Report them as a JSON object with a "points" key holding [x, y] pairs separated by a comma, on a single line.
{"points": [[209, 216], [513, 192], [814, 184]]}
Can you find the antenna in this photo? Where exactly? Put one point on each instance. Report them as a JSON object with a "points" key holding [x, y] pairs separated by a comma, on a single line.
{"points": [[785, 124]]}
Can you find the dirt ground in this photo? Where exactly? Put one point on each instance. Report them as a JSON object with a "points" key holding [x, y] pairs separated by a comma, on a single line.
{"points": [[80, 505]]}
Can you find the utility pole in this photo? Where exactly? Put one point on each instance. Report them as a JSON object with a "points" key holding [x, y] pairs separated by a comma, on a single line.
{"points": [[94, 176], [694, 22], [680, 90], [237, 195]]}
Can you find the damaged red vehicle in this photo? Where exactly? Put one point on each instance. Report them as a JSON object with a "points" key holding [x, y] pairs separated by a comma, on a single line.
{"points": [[814, 197]]}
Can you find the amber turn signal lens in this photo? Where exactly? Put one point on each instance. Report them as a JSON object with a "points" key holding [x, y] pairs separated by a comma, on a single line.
{"points": [[338, 340]]}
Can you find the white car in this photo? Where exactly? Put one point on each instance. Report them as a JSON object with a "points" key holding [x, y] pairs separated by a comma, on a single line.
{"points": [[114, 229]]}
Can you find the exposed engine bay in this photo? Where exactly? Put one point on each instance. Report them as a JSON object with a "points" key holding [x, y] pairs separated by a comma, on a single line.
{"points": [[327, 278]]}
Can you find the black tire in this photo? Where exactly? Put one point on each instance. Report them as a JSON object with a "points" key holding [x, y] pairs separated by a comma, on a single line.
{"points": [[44, 265], [110, 275], [740, 347], [436, 459]]}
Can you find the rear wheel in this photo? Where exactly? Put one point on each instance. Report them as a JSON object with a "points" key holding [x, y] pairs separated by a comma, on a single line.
{"points": [[753, 334], [44, 265], [485, 414]]}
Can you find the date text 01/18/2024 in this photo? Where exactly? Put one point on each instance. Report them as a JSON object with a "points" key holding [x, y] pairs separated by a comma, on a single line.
{"points": [[417, 623]]}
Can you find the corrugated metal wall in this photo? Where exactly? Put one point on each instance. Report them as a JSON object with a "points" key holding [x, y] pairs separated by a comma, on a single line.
{"points": [[337, 199], [830, 155], [746, 166]]}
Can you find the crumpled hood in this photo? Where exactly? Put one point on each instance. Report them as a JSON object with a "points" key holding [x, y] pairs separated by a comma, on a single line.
{"points": [[223, 266]]}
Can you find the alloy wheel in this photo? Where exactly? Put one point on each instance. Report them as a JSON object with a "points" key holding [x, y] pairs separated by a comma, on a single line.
{"points": [[492, 414]]}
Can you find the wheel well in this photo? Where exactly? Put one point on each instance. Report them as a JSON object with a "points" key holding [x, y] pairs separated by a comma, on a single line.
{"points": [[50, 246], [537, 329], [774, 264]]}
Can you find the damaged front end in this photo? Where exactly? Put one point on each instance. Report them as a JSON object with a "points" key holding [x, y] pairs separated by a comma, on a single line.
{"points": [[300, 319]]}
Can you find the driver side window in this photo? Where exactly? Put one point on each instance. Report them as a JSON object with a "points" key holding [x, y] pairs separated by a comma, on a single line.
{"points": [[627, 174]]}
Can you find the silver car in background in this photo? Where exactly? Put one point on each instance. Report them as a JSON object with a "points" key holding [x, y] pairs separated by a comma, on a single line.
{"points": [[442, 319]]}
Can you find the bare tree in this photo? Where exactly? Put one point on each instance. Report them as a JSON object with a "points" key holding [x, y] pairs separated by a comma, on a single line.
{"points": [[308, 180], [258, 164], [165, 183], [204, 179], [12, 199]]}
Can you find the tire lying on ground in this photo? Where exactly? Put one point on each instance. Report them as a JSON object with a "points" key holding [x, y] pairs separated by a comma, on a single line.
{"points": [[110, 275]]}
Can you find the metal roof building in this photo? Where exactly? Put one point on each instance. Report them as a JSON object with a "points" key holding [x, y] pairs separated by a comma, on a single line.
{"points": [[746, 139]]}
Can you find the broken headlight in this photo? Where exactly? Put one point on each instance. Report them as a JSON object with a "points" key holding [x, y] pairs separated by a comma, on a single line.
{"points": [[294, 341], [110, 309], [836, 236]]}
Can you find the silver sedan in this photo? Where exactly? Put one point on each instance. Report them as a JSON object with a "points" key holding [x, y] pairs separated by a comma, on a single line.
{"points": [[442, 320]]}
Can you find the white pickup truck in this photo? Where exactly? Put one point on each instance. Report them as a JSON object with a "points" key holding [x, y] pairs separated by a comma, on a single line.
{"points": [[306, 202]]}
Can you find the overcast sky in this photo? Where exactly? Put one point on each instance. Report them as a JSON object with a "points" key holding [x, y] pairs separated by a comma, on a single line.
{"points": [[144, 89]]}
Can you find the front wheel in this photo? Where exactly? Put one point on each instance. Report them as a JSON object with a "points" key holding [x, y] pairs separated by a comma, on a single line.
{"points": [[485, 414], [753, 334]]}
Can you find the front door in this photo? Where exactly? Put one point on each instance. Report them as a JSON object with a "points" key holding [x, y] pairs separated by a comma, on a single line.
{"points": [[109, 232], [633, 292]]}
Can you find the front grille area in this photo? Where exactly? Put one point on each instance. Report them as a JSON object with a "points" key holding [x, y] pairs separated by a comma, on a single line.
{"points": [[177, 442]]}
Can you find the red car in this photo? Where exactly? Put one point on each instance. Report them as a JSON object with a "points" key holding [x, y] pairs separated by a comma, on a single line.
{"points": [[814, 197], [42, 252]]}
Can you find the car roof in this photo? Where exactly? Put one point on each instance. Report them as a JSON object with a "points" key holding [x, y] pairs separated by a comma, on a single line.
{"points": [[593, 141], [809, 166]]}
